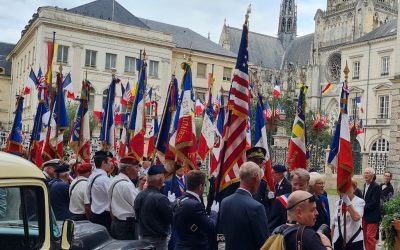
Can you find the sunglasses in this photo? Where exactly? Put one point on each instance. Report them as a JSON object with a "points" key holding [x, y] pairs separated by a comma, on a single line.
{"points": [[310, 199]]}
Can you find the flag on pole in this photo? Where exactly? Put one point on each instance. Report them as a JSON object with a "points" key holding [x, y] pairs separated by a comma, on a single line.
{"points": [[235, 130], [360, 129], [216, 151], [340, 155], [328, 87], [51, 55], [199, 107], [297, 155], [268, 111], [206, 141], [14, 141], [149, 97], [153, 132], [69, 87], [185, 135], [166, 124], [32, 83], [80, 133], [260, 138], [137, 125], [107, 126], [248, 129], [277, 89]]}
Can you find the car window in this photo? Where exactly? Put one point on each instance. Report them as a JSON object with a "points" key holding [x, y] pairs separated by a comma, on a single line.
{"points": [[21, 217]]}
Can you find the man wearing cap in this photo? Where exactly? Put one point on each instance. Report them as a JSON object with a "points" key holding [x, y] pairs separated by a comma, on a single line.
{"points": [[98, 185], [153, 210], [59, 196], [122, 195], [49, 167], [282, 185], [79, 204], [263, 195]]}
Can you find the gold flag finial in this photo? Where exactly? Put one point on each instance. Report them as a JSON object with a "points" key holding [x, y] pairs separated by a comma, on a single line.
{"points": [[346, 72]]}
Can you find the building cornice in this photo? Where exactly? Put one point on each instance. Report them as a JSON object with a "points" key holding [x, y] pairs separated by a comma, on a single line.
{"points": [[207, 55], [361, 44]]}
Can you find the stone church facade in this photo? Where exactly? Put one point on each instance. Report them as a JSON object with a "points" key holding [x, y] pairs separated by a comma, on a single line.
{"points": [[361, 33]]}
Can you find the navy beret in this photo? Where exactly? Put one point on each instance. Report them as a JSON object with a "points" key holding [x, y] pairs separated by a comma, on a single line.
{"points": [[279, 168], [156, 169], [62, 169]]}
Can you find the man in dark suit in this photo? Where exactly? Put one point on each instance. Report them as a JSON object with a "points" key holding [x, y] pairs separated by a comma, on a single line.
{"points": [[59, 193], [191, 221], [282, 185], [240, 211], [372, 212], [176, 184]]}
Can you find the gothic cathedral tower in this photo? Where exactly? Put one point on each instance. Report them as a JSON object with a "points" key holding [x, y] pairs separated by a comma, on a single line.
{"points": [[287, 30]]}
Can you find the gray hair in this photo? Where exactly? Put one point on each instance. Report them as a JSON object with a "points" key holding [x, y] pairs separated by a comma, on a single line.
{"points": [[369, 169], [314, 178], [302, 174], [248, 171], [123, 166]]}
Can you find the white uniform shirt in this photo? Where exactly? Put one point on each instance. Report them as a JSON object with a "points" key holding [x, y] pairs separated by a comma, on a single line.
{"points": [[98, 191], [78, 197], [122, 196], [352, 226]]}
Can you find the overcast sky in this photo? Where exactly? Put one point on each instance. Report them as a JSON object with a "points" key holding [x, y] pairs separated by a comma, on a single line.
{"points": [[202, 16]]}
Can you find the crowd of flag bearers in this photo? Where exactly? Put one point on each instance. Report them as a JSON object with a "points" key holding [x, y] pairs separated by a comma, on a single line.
{"points": [[158, 197]]}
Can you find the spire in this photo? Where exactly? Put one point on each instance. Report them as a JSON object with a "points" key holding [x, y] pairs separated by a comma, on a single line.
{"points": [[287, 30]]}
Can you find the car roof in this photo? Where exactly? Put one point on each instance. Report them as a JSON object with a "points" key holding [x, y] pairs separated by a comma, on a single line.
{"points": [[12, 166]]}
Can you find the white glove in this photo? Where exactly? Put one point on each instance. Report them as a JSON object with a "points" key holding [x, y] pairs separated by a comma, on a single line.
{"points": [[346, 200], [271, 195], [171, 196], [215, 206]]}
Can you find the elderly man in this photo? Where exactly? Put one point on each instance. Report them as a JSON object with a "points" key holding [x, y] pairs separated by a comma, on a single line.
{"points": [[372, 212], [282, 185], [122, 195], [49, 167], [153, 210], [79, 204], [59, 195], [191, 221], [299, 179], [301, 217], [97, 190], [240, 211]]}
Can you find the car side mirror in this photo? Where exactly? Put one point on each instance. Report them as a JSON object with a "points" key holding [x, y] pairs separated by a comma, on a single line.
{"points": [[67, 234]]}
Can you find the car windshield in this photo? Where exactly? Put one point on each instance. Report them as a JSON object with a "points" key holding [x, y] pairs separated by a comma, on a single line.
{"points": [[21, 217]]}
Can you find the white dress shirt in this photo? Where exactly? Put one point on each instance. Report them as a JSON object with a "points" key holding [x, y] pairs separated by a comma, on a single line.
{"points": [[122, 196], [352, 226], [99, 191], [78, 197]]}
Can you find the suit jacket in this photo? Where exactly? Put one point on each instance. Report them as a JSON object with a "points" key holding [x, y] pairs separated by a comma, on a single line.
{"points": [[192, 223], [178, 188], [372, 212], [284, 188], [278, 214], [241, 212], [59, 199], [262, 196]]}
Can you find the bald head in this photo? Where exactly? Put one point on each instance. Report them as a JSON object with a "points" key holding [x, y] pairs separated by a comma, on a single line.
{"points": [[302, 208]]}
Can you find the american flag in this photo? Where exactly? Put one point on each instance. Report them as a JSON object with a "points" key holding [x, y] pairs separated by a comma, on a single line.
{"points": [[235, 129], [351, 123], [278, 110], [268, 111]]}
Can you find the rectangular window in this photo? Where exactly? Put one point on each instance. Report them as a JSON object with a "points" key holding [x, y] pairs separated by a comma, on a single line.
{"points": [[111, 60], [62, 54], [383, 107], [90, 59], [201, 70], [353, 110], [356, 70], [129, 64], [153, 68], [227, 74], [385, 65]]}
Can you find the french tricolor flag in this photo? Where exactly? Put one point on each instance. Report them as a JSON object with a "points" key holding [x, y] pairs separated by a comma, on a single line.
{"points": [[31, 83], [206, 141], [260, 138], [137, 124], [215, 156], [277, 89], [69, 87], [153, 136]]}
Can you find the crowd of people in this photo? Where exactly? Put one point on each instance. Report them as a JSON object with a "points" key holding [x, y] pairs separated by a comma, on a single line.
{"points": [[133, 200]]}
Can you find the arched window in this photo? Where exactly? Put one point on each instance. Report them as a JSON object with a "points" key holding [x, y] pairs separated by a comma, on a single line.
{"points": [[283, 25], [378, 155], [289, 24]]}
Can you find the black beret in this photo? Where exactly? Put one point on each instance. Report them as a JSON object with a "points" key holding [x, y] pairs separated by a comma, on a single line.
{"points": [[156, 169], [256, 153], [102, 153], [62, 169], [279, 168]]}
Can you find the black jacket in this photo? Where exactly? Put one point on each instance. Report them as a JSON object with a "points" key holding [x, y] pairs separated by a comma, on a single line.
{"points": [[154, 213], [387, 192], [192, 223], [243, 221], [284, 188], [262, 196], [372, 212]]}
